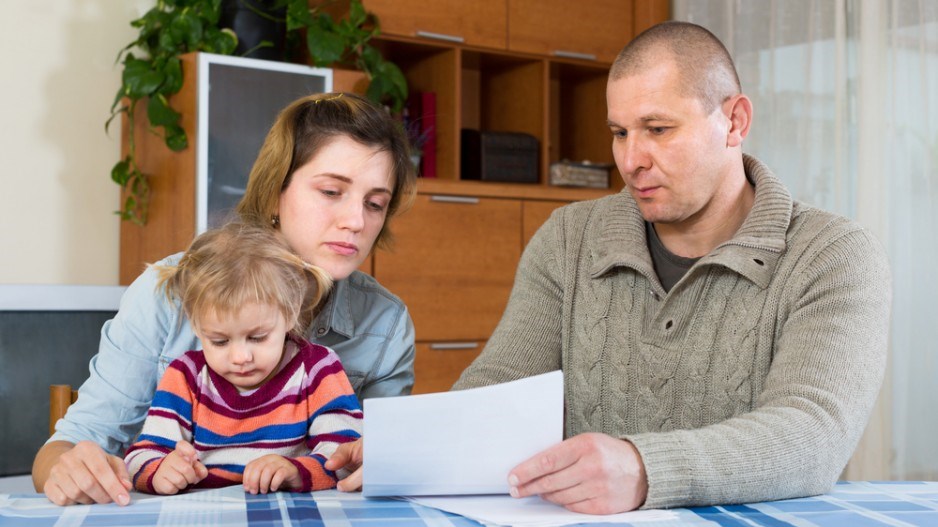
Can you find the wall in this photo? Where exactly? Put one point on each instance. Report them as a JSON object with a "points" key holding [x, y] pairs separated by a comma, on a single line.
{"points": [[56, 198]]}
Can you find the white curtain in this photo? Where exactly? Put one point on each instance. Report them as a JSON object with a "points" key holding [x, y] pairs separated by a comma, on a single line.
{"points": [[846, 113]]}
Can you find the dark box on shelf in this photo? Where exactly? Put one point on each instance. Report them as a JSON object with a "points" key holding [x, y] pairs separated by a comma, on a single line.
{"points": [[509, 157]]}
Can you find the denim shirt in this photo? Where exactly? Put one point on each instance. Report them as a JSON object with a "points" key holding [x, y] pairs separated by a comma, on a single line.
{"points": [[367, 326]]}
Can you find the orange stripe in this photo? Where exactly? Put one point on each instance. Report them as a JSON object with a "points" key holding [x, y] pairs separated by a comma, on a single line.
{"points": [[320, 479], [228, 426], [331, 387], [174, 381], [228, 475]]}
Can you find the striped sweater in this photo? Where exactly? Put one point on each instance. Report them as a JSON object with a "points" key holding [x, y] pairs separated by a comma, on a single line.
{"points": [[302, 413]]}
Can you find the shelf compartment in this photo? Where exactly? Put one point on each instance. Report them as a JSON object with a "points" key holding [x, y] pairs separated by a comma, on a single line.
{"points": [[433, 68], [578, 129], [505, 93]]}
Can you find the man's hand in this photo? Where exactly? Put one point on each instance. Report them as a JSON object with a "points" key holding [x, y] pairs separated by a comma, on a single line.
{"points": [[589, 473], [86, 474], [179, 469], [268, 473], [349, 457]]}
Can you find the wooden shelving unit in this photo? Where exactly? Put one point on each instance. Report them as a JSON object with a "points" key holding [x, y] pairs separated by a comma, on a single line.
{"points": [[459, 245]]}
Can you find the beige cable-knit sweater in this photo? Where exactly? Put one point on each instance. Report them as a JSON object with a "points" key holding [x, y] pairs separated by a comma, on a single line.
{"points": [[751, 380]]}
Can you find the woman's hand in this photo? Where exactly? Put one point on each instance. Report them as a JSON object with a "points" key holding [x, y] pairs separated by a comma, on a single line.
{"points": [[84, 473], [349, 457], [178, 470], [268, 473]]}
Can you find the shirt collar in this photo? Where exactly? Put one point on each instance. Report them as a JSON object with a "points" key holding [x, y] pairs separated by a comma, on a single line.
{"points": [[336, 314], [753, 251]]}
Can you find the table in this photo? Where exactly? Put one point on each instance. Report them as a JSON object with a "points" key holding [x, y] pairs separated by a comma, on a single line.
{"points": [[855, 504]]}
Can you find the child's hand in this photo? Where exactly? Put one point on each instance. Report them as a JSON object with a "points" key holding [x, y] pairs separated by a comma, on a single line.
{"points": [[178, 470], [269, 473]]}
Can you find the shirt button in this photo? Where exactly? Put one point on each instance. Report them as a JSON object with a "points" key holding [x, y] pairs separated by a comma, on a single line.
{"points": [[321, 331]]}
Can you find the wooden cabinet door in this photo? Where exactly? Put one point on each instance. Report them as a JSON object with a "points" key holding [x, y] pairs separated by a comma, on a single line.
{"points": [[439, 364], [534, 214], [596, 29], [478, 23], [453, 263]]}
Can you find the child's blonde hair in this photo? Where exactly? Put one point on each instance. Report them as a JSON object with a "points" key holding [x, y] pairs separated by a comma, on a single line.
{"points": [[239, 263]]}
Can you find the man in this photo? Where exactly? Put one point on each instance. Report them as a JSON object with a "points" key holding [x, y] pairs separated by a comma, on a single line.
{"points": [[720, 343]]}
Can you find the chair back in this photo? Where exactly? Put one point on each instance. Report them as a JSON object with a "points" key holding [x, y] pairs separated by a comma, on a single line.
{"points": [[61, 396]]}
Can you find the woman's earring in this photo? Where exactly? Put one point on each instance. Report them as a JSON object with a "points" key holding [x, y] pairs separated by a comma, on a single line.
{"points": [[275, 221]]}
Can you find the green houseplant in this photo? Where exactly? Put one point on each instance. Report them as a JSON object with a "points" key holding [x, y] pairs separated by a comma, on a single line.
{"points": [[152, 69]]}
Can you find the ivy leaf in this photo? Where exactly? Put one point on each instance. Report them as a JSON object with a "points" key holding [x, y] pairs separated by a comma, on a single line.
{"points": [[115, 113], [117, 99], [399, 83], [357, 15], [369, 59], [173, 71], [120, 174], [189, 28], [139, 186], [298, 16], [325, 47], [210, 12], [159, 113], [168, 42], [228, 42], [377, 88], [176, 138], [222, 42], [129, 205], [150, 22], [140, 78]]}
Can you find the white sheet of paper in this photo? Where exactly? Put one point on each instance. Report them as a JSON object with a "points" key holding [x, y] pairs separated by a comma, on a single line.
{"points": [[530, 512], [461, 442]]}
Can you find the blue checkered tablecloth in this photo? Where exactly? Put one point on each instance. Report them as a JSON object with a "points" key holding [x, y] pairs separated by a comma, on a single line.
{"points": [[858, 504]]}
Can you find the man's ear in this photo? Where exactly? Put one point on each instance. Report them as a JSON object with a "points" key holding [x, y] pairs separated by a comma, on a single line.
{"points": [[739, 111]]}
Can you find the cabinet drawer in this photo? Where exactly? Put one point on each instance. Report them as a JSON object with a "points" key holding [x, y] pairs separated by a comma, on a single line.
{"points": [[478, 23], [597, 29], [438, 365], [453, 264]]}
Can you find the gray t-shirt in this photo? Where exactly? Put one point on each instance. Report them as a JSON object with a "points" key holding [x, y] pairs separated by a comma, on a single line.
{"points": [[668, 266]]}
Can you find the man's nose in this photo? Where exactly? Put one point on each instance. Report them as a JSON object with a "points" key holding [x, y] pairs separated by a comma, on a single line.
{"points": [[631, 156]]}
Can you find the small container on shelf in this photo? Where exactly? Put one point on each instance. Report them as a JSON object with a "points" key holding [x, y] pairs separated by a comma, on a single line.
{"points": [[585, 174], [510, 157]]}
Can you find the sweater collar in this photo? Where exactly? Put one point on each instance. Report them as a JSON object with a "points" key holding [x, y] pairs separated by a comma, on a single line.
{"points": [[753, 251]]}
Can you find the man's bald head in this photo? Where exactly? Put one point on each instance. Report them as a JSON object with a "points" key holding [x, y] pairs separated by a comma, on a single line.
{"points": [[706, 68]]}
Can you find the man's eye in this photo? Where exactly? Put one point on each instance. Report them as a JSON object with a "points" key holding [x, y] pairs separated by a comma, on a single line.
{"points": [[658, 130], [619, 133]]}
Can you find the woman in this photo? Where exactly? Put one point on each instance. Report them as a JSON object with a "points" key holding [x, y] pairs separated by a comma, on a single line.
{"points": [[331, 172]]}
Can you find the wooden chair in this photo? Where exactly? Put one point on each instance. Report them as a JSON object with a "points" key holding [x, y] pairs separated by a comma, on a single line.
{"points": [[61, 396]]}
